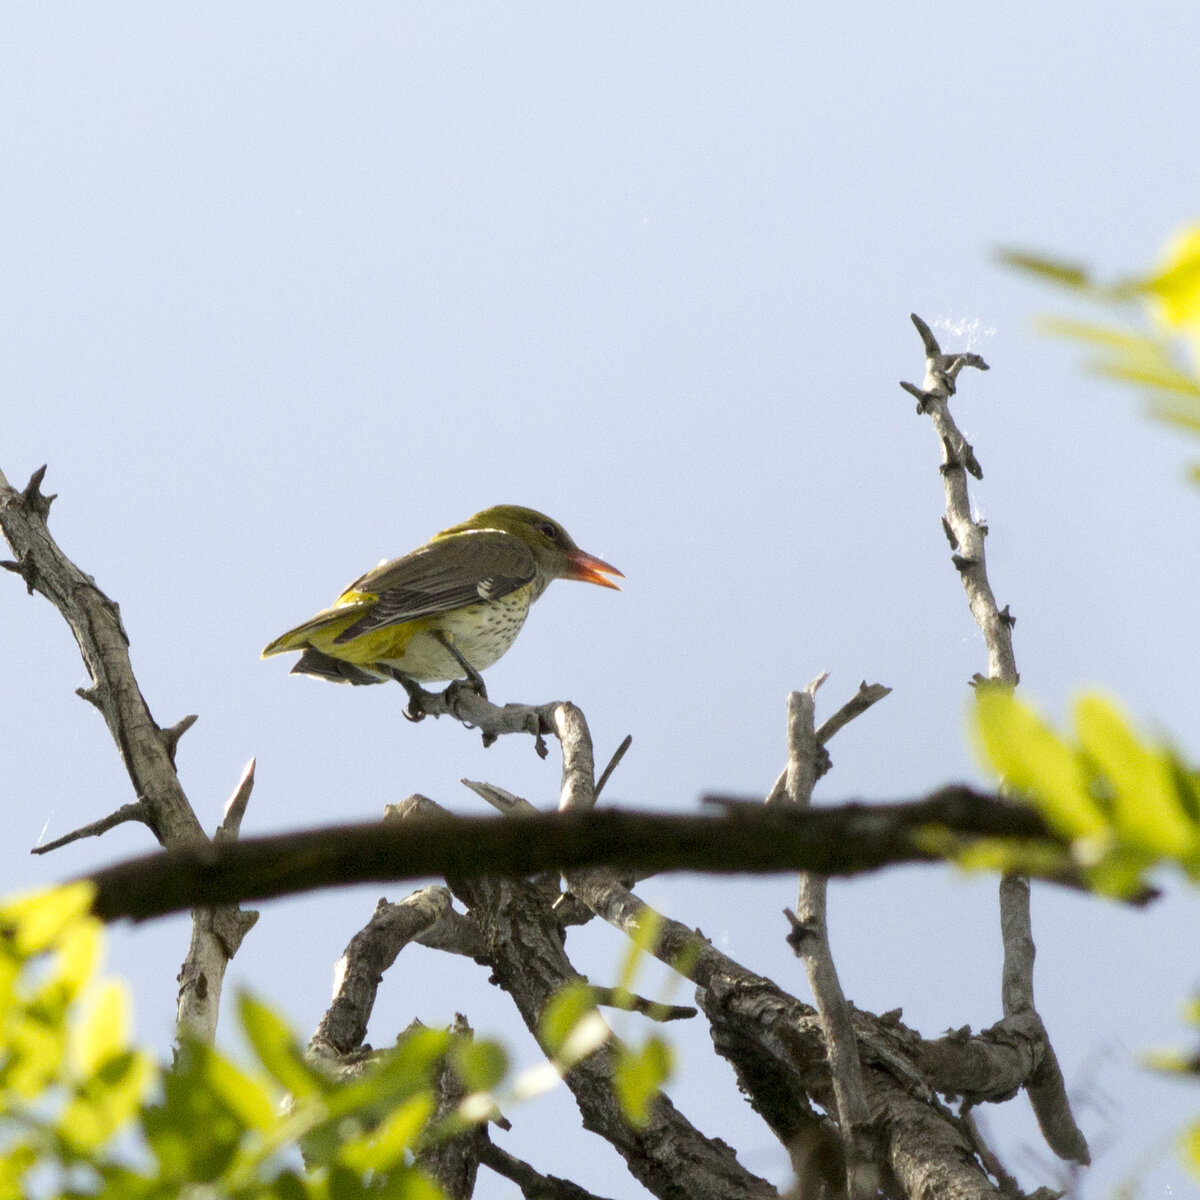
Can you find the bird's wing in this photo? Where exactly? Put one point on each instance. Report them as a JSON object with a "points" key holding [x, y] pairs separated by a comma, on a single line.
{"points": [[449, 573]]}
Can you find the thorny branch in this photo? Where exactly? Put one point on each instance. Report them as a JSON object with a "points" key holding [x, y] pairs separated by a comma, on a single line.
{"points": [[1047, 1090], [147, 749]]}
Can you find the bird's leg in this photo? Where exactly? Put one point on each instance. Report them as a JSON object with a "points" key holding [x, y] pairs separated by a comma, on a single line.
{"points": [[473, 680], [414, 710]]}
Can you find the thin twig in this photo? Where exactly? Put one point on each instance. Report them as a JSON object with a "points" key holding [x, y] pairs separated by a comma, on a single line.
{"points": [[136, 811], [533, 1184], [627, 1001], [867, 695]]}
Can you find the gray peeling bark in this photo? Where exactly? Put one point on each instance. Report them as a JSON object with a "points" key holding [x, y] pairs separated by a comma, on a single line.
{"points": [[147, 749]]}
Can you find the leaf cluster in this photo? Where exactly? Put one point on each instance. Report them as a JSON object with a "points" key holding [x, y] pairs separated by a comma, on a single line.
{"points": [[84, 1114], [1156, 343]]}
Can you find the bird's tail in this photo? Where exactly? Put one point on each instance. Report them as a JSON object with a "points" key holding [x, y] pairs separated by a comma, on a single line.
{"points": [[331, 620], [325, 666]]}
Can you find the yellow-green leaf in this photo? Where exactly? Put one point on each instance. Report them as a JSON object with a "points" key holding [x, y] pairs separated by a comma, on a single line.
{"points": [[1191, 1147], [643, 941], [102, 1030], [480, 1065], [385, 1146], [102, 1104], [1176, 286], [1109, 336], [1030, 758], [1067, 274], [564, 1010], [638, 1075], [38, 919], [1146, 811], [277, 1048]]}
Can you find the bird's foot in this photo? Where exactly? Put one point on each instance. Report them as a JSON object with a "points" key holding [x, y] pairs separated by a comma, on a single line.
{"points": [[414, 710], [456, 687]]}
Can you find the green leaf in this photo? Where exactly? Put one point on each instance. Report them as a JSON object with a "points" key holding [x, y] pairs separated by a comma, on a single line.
{"points": [[37, 920], [1146, 809], [1108, 336], [102, 1030], [35, 1052], [191, 1101], [384, 1147], [1176, 286], [408, 1183], [77, 955], [289, 1185], [643, 941], [1040, 860], [480, 1065], [638, 1076], [1191, 1147], [1025, 752], [563, 1012], [277, 1048], [1066, 274], [1160, 374], [393, 1078], [104, 1102]]}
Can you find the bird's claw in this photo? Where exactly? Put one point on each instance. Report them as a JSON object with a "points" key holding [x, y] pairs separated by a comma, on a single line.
{"points": [[414, 710]]}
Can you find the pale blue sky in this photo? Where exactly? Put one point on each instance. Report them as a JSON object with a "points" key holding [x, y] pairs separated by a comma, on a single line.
{"points": [[287, 288]]}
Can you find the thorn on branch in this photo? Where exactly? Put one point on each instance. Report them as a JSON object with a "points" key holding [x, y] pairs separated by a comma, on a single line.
{"points": [[949, 534], [173, 733], [91, 694], [932, 349], [802, 932], [33, 498], [983, 681], [618, 754], [962, 562], [1007, 617], [27, 570]]}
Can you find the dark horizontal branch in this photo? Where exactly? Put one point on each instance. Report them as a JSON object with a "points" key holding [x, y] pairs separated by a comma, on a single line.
{"points": [[845, 840]]}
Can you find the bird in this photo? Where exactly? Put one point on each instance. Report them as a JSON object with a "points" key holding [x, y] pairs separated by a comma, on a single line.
{"points": [[448, 609]]}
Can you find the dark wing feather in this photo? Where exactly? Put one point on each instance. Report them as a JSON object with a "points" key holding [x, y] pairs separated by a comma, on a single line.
{"points": [[452, 572]]}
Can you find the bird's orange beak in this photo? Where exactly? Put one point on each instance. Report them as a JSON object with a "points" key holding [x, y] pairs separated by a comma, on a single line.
{"points": [[590, 569]]}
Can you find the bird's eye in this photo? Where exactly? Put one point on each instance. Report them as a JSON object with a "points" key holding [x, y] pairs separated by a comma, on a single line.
{"points": [[549, 529]]}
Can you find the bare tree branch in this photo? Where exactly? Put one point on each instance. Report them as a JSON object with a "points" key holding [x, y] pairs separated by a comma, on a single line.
{"points": [[452, 1163], [533, 1184], [810, 940], [749, 838], [370, 952], [667, 1155], [1047, 1091], [867, 695], [147, 750]]}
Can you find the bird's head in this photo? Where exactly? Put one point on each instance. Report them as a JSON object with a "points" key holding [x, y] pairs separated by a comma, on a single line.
{"points": [[554, 551]]}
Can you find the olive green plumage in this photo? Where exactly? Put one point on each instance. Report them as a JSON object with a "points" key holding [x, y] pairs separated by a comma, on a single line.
{"points": [[470, 585]]}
